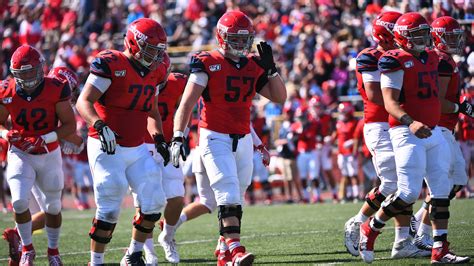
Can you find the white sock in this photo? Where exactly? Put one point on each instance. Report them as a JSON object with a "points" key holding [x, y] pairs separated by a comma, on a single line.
{"points": [[419, 213], [424, 229], [97, 258], [135, 246], [316, 192], [24, 230], [53, 236], [439, 232], [360, 217], [149, 247], [402, 233], [169, 231], [182, 218], [355, 191]]}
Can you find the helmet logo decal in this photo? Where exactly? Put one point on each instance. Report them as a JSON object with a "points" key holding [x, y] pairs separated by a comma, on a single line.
{"points": [[138, 34]]}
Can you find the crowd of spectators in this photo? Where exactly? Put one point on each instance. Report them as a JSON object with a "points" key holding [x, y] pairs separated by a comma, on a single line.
{"points": [[315, 42]]}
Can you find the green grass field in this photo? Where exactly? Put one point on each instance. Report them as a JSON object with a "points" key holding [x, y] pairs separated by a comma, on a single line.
{"points": [[278, 235]]}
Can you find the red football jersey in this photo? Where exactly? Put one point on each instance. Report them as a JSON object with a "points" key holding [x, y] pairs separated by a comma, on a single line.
{"points": [[367, 61], [168, 103], [345, 132], [125, 105], [326, 125], [307, 134], [3, 150], [419, 93], [447, 68], [229, 92], [34, 114]]}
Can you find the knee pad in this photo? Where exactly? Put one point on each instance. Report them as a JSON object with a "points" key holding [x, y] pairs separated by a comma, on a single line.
{"points": [[394, 206], [20, 205], [104, 226], [454, 190], [374, 198], [435, 213], [140, 217], [229, 211]]}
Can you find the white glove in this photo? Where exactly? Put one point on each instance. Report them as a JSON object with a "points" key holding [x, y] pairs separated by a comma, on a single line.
{"points": [[177, 148]]}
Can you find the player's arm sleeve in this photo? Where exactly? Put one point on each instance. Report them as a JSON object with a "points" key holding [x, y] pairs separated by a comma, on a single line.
{"points": [[199, 78], [372, 76], [392, 80], [445, 69], [65, 93], [101, 83], [101, 68], [366, 63]]}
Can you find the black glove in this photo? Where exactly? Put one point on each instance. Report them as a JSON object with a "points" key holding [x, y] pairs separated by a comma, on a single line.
{"points": [[107, 137], [162, 148], [177, 149], [266, 58], [466, 108]]}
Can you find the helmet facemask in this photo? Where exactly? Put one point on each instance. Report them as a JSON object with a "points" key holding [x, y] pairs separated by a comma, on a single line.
{"points": [[419, 38], [453, 41], [150, 54], [237, 44], [28, 77]]}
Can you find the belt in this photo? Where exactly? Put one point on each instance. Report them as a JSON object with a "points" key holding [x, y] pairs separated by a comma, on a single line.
{"points": [[235, 140]]}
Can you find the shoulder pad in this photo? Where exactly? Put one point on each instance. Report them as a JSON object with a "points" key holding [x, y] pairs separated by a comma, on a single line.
{"points": [[366, 62], [197, 62], [389, 63]]}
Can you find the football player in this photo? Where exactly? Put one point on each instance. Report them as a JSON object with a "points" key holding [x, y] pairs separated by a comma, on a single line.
{"points": [[173, 178], [345, 128], [448, 38], [35, 104], [306, 130], [409, 80], [37, 204], [378, 141], [118, 103], [227, 79]]}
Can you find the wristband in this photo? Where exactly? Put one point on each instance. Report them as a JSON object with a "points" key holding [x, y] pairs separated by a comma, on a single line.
{"points": [[99, 124], [158, 138], [456, 108], [4, 134], [50, 137], [406, 120], [273, 75]]}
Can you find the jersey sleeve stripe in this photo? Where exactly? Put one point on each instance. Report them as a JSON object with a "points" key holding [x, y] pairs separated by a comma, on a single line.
{"points": [[65, 93], [388, 64], [366, 62]]}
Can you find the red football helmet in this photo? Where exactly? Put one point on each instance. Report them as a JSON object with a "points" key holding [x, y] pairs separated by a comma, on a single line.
{"points": [[346, 110], [382, 29], [235, 33], [65, 74], [447, 35], [146, 41], [412, 32], [27, 67]]}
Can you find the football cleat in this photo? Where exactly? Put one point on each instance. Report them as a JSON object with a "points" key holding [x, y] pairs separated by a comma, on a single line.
{"points": [[135, 259], [424, 242], [55, 260], [442, 255], [169, 246], [27, 258], [14, 245], [151, 259], [221, 246], [367, 241], [414, 225], [407, 249], [241, 258], [224, 258], [351, 236]]}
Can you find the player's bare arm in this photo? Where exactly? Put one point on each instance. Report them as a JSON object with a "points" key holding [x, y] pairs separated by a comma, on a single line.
{"points": [[68, 121], [191, 94], [85, 103], [374, 94], [3, 117], [390, 97], [275, 89], [154, 125]]}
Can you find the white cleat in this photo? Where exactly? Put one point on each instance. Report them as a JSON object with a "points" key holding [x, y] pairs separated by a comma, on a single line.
{"points": [[407, 249], [424, 242], [414, 225], [151, 260], [169, 246], [351, 236]]}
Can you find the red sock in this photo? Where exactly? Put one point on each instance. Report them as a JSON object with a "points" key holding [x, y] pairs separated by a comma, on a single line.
{"points": [[53, 251], [27, 248]]}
